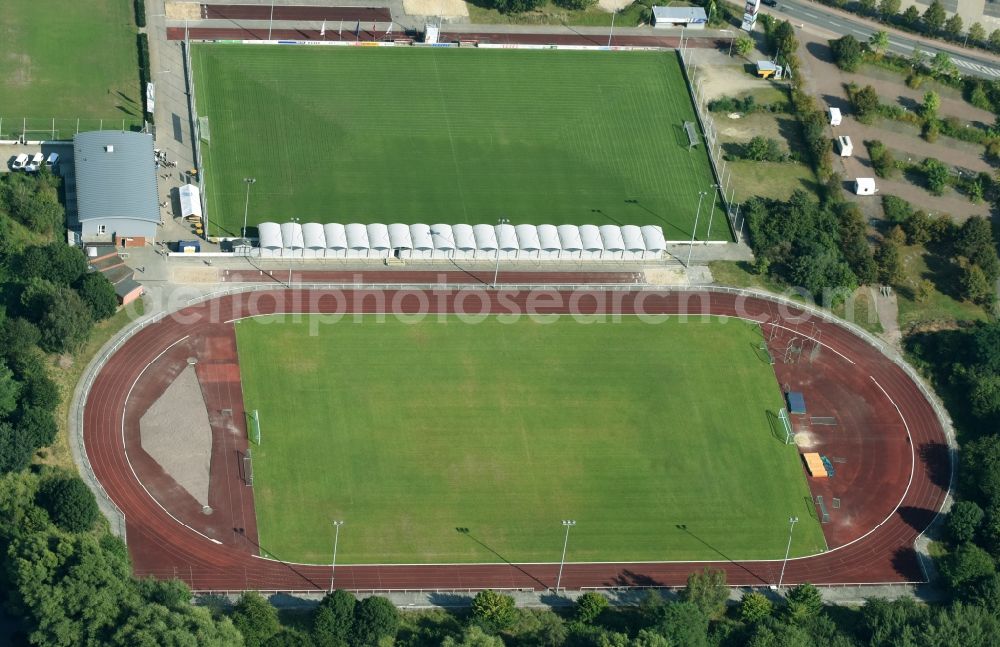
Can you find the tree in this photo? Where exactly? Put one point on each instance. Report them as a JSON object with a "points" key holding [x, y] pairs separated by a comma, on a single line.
{"points": [[977, 288], [496, 611], [375, 618], [743, 45], [333, 619], [16, 448], [936, 174], [99, 295], [929, 108], [708, 591], [255, 618], [289, 637], [804, 602], [34, 203], [683, 623], [783, 38], [576, 5], [963, 521], [66, 322], [848, 53], [589, 606], [942, 65], [995, 40], [886, 623], [975, 239], [10, 389], [823, 273], [953, 26], [515, 6], [911, 16], [977, 33], [888, 8], [763, 149], [965, 564], [473, 636], [918, 228], [69, 502], [865, 102], [934, 17], [55, 262], [754, 607], [879, 41], [890, 265]]}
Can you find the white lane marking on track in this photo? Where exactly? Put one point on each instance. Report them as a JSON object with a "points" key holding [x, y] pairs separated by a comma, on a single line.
{"points": [[125, 447]]}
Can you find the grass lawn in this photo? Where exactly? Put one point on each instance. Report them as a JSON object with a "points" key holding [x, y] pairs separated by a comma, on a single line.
{"points": [[408, 432], [939, 305], [447, 135], [73, 61]]}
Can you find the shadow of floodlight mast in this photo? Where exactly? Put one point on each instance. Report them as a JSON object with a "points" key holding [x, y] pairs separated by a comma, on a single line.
{"points": [[468, 533]]}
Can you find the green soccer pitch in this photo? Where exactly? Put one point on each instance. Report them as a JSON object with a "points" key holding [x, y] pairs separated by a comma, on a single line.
{"points": [[410, 135], [408, 432]]}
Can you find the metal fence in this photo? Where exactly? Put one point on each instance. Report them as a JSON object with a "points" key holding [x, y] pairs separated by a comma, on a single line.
{"points": [[52, 129]]}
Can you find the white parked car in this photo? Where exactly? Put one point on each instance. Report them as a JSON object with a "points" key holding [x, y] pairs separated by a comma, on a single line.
{"points": [[20, 162], [52, 161], [36, 163]]}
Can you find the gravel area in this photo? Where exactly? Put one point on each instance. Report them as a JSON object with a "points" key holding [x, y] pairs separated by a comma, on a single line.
{"points": [[176, 433]]}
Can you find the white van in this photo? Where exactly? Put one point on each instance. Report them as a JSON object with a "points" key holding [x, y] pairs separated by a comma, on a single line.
{"points": [[845, 146], [20, 162], [52, 161]]}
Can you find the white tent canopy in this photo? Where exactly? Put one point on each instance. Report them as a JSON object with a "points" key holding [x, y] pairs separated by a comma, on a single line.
{"points": [[461, 241], [190, 197]]}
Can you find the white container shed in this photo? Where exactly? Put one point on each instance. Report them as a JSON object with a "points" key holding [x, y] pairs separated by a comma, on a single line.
{"points": [[845, 146], [314, 240], [291, 239], [835, 117], [486, 241], [569, 238], [336, 240], [423, 243], [865, 186], [527, 241], [593, 245], [270, 239], [656, 244], [548, 239], [357, 240], [378, 240], [399, 239], [444, 240]]}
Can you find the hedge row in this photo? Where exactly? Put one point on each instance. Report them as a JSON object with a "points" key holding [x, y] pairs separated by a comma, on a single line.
{"points": [[144, 73], [140, 13]]}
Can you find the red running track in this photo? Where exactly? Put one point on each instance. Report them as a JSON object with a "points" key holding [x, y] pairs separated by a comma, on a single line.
{"points": [[882, 550], [368, 35]]}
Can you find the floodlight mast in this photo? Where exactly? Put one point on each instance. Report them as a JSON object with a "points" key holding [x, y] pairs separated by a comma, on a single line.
{"points": [[791, 527], [246, 205], [500, 223], [336, 538], [568, 523]]}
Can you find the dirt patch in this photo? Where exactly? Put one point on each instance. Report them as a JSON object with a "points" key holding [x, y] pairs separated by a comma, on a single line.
{"points": [[613, 5], [726, 78], [194, 275], [21, 66], [663, 276], [175, 432], [440, 8], [182, 10]]}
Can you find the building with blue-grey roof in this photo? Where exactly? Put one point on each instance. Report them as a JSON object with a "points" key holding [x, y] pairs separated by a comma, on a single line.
{"points": [[116, 192]]}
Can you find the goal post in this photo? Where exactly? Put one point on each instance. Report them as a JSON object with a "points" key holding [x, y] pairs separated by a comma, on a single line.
{"points": [[253, 427], [786, 426]]}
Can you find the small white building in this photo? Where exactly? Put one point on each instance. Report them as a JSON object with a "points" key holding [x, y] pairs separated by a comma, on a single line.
{"points": [[845, 146], [677, 17], [865, 186], [835, 116]]}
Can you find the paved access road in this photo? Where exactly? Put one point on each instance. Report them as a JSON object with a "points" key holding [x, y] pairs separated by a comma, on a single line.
{"points": [[798, 11]]}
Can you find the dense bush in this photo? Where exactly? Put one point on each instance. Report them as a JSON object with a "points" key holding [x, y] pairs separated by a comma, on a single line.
{"points": [[575, 5], [69, 502], [883, 163], [848, 53], [140, 13]]}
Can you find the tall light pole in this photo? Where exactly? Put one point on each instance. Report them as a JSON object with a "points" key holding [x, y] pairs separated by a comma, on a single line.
{"points": [[295, 220], [711, 216], [271, 21], [612, 32], [246, 205], [336, 538], [791, 526], [569, 523], [500, 223], [701, 195]]}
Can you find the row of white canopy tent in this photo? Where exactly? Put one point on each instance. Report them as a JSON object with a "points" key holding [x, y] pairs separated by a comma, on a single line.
{"points": [[333, 240]]}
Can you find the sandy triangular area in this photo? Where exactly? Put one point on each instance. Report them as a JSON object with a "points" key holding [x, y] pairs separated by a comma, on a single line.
{"points": [[175, 431]]}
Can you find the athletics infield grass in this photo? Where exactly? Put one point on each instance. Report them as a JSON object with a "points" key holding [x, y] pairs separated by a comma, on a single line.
{"points": [[409, 135], [408, 432]]}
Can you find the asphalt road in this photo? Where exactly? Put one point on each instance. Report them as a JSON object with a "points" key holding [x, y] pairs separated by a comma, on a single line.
{"points": [[979, 64]]}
